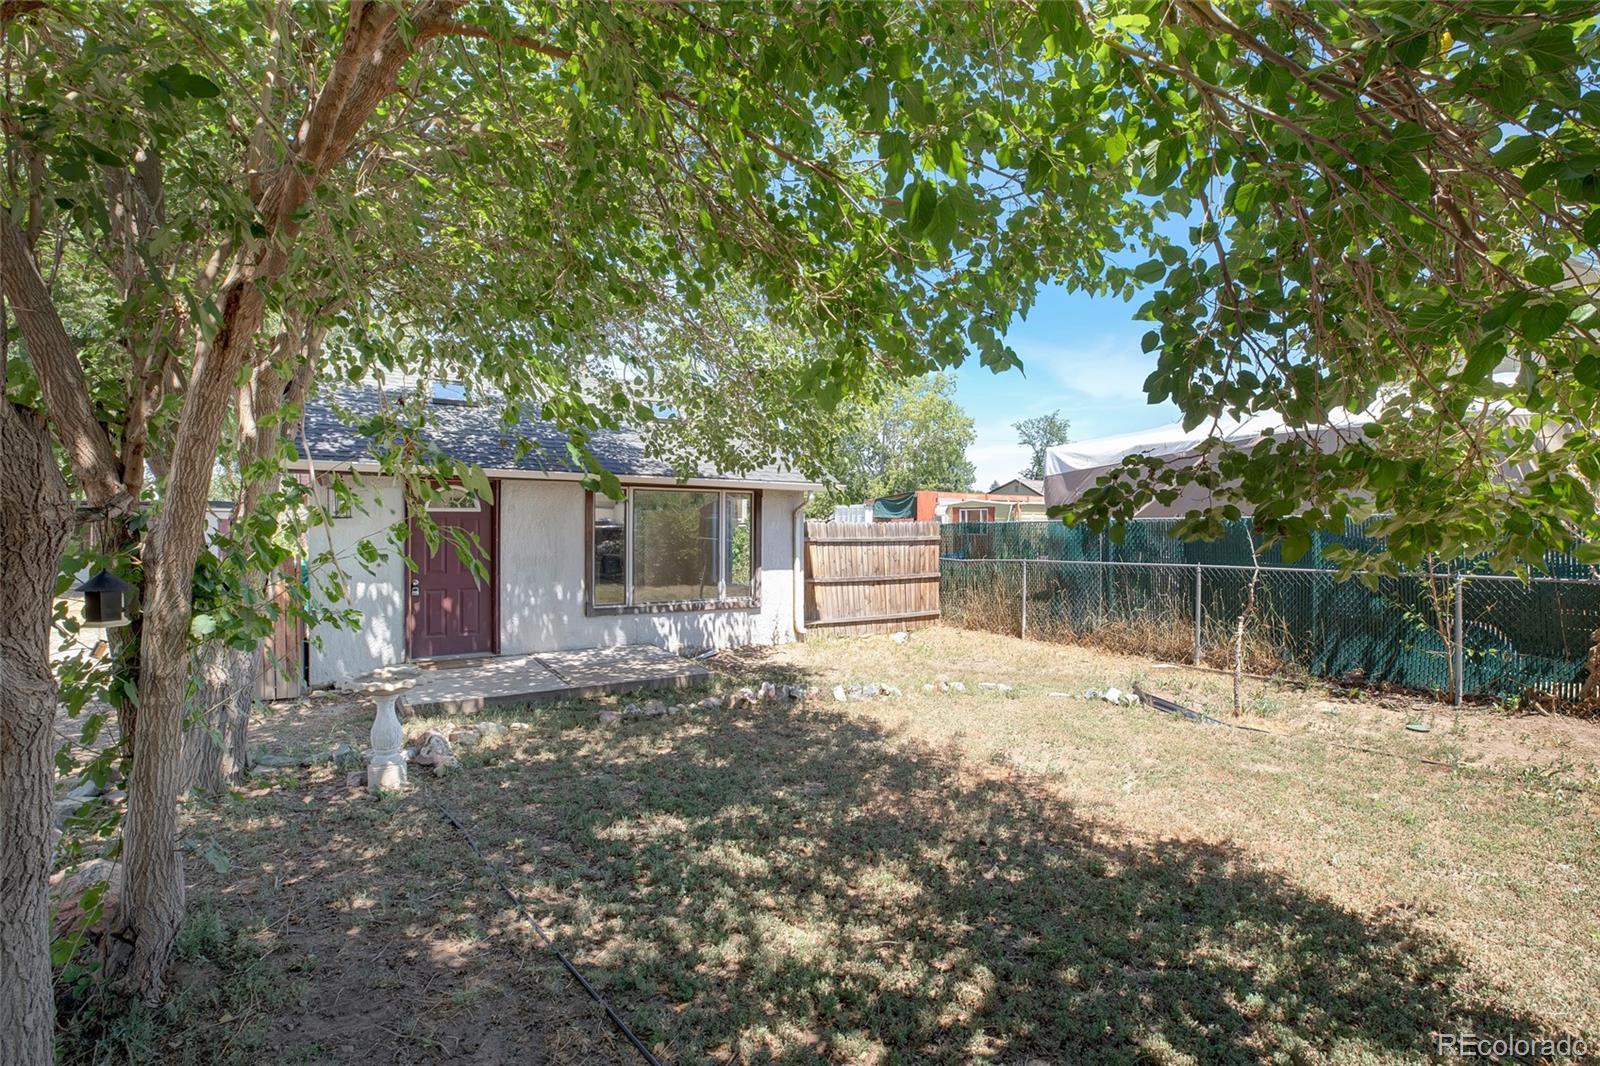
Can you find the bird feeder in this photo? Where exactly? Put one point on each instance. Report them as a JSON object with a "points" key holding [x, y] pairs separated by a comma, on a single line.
{"points": [[105, 600]]}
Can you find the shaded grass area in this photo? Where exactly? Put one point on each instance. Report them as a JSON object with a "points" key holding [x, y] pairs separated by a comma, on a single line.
{"points": [[339, 928], [942, 877], [798, 884]]}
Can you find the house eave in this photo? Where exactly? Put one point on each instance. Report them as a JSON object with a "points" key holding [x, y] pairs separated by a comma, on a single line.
{"points": [[302, 466]]}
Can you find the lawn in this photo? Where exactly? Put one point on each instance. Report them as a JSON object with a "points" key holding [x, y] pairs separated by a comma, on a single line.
{"points": [[943, 876]]}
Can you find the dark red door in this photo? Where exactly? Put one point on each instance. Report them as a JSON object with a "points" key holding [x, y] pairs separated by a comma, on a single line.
{"points": [[450, 611]]}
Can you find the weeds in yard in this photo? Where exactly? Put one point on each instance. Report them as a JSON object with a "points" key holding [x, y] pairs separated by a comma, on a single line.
{"points": [[227, 988]]}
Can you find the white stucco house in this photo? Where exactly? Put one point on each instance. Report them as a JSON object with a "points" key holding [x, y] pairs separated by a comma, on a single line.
{"points": [[712, 560]]}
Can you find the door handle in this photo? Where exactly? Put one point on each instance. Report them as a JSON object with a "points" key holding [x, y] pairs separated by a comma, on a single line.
{"points": [[416, 586]]}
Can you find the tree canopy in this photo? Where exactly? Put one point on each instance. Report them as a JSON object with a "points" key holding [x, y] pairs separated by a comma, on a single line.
{"points": [[1386, 208], [912, 436], [1039, 434]]}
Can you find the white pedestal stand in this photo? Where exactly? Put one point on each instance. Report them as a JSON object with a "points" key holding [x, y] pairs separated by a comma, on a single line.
{"points": [[386, 766]]}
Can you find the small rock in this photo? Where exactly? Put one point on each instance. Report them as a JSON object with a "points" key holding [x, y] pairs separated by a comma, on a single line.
{"points": [[710, 703], [66, 808], [958, 686], [652, 708], [115, 795], [900, 637], [1112, 695], [797, 692], [465, 738], [356, 779], [518, 727], [434, 750], [1065, 695], [872, 690], [768, 691], [275, 761], [1091, 693], [838, 694], [994, 686], [66, 893], [891, 690], [610, 716], [346, 758], [928, 687], [85, 790]]}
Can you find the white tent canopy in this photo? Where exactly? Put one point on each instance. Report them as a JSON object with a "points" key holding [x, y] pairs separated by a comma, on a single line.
{"points": [[1070, 469]]}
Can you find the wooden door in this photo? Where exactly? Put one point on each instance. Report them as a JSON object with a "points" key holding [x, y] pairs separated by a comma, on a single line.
{"points": [[450, 611]]}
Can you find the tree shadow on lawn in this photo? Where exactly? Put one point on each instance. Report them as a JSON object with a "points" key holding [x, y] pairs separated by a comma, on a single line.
{"points": [[352, 930], [795, 884]]}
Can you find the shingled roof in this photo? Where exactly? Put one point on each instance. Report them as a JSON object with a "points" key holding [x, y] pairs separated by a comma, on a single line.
{"points": [[472, 433]]}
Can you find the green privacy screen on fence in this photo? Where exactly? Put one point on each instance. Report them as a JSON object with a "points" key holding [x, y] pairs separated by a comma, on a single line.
{"points": [[1153, 594]]}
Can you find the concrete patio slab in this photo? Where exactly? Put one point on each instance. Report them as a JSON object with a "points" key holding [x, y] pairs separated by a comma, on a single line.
{"points": [[465, 686], [596, 671]]}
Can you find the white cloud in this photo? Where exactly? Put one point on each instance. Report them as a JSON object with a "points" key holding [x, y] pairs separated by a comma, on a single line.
{"points": [[1105, 368], [1096, 382], [996, 459]]}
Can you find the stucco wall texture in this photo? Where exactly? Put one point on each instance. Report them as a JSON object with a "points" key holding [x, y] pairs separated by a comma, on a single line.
{"points": [[540, 579]]}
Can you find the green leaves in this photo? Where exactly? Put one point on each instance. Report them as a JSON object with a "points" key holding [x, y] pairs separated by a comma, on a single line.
{"points": [[922, 202], [1518, 151], [1540, 321]]}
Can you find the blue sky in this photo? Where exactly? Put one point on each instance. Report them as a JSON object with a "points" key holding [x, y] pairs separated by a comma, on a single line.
{"points": [[1080, 355]]}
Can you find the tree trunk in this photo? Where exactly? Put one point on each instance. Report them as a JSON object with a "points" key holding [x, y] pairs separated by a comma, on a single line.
{"points": [[36, 520], [216, 733], [151, 912]]}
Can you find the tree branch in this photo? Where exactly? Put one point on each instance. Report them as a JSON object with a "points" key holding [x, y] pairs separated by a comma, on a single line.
{"points": [[61, 376]]}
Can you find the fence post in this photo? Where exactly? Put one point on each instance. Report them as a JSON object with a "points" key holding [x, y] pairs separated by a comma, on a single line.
{"points": [[1198, 609], [1024, 599], [1460, 649]]}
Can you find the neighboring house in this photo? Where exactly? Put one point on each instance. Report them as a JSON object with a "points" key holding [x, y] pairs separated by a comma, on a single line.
{"points": [[853, 513], [712, 561], [1020, 486], [932, 505]]}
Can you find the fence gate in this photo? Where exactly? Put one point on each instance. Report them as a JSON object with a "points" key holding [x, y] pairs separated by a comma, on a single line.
{"points": [[282, 670], [874, 577]]}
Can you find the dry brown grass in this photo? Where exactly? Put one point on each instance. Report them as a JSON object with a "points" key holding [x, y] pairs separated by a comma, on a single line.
{"points": [[941, 877]]}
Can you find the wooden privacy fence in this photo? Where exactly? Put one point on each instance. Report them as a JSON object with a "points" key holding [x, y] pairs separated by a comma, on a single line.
{"points": [[871, 577], [282, 668]]}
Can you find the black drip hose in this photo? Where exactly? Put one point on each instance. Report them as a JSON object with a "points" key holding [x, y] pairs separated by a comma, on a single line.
{"points": [[616, 1019], [1166, 706]]}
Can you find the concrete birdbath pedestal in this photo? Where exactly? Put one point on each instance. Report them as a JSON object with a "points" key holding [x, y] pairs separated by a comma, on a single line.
{"points": [[386, 765]]}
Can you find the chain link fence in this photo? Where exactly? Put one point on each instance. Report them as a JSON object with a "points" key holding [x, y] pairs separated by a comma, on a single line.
{"points": [[1461, 633]]}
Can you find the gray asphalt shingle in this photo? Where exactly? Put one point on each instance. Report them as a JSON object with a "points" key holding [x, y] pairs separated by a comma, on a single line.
{"points": [[473, 434]]}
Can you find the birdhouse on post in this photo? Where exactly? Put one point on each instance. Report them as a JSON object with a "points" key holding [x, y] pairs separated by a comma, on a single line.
{"points": [[105, 600]]}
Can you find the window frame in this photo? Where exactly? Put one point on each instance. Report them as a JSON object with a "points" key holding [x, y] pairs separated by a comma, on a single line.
{"points": [[722, 601]]}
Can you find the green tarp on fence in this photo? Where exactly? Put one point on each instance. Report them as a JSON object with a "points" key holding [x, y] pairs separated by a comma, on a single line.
{"points": [[1517, 635], [895, 506]]}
